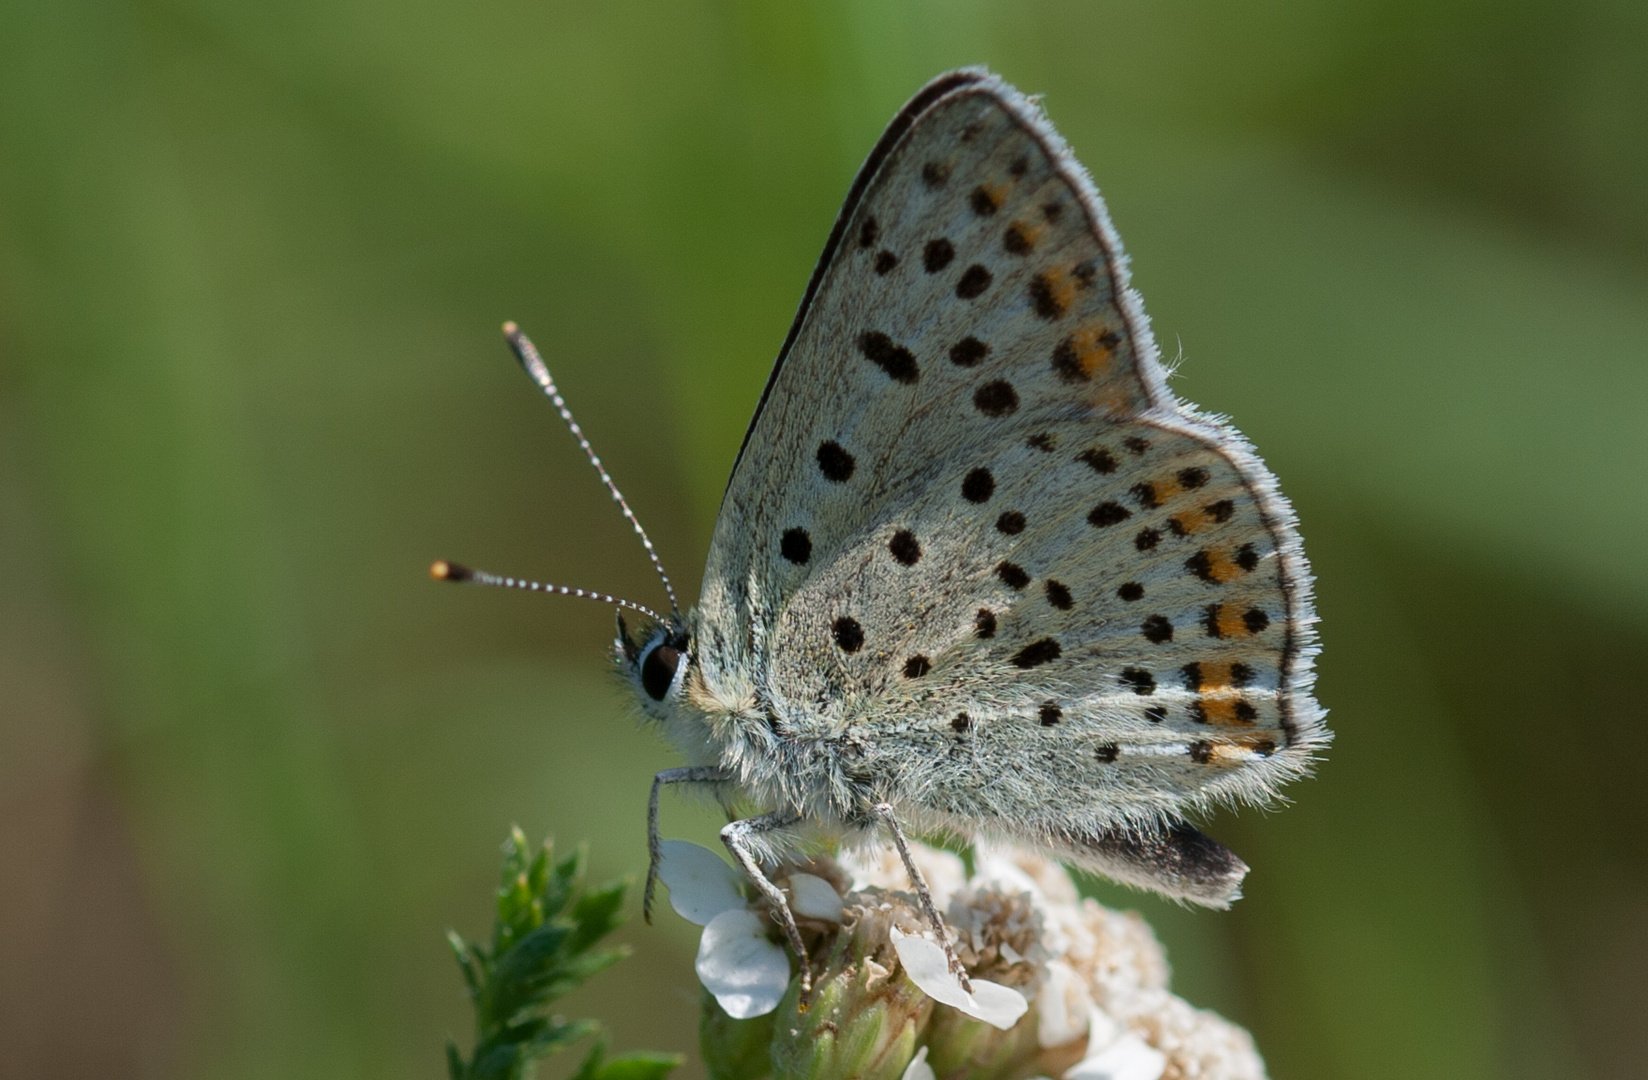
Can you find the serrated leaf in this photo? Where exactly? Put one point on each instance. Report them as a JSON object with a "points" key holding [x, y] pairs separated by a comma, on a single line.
{"points": [[597, 915], [467, 962], [561, 1033], [544, 940]]}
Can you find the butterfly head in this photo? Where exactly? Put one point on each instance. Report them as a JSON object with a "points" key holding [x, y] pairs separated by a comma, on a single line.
{"points": [[655, 660]]}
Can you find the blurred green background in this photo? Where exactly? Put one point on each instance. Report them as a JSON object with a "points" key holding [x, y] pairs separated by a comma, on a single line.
{"points": [[253, 258]]}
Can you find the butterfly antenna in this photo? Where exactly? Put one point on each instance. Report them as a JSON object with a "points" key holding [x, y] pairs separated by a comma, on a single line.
{"points": [[451, 571], [527, 354]]}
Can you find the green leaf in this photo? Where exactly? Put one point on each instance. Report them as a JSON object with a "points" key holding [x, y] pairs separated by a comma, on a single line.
{"points": [[544, 939], [639, 1065]]}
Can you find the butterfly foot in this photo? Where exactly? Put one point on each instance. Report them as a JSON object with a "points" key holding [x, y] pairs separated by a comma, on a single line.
{"points": [[804, 999]]}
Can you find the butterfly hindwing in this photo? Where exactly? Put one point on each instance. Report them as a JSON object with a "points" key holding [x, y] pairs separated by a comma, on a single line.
{"points": [[973, 533]]}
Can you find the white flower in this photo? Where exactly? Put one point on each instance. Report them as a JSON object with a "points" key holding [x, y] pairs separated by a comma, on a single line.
{"points": [[1113, 1054], [701, 884], [1024, 934], [924, 961], [812, 897], [747, 972], [918, 1069]]}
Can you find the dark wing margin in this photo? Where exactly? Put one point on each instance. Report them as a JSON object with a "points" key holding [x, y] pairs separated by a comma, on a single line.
{"points": [[906, 118]]}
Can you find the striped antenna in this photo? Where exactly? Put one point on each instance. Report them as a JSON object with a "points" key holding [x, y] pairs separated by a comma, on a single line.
{"points": [[442, 570], [527, 354]]}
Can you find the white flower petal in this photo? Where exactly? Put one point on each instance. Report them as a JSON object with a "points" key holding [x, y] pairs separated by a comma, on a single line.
{"points": [[1062, 1007], [701, 884], [814, 898], [996, 1004], [918, 1069], [924, 961], [1128, 1058], [747, 973], [1102, 1030]]}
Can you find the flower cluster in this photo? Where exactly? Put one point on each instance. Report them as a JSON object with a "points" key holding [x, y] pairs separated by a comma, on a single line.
{"points": [[1061, 987]]}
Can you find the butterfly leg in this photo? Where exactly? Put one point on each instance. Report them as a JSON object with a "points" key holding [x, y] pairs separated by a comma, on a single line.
{"points": [[737, 838], [885, 811], [693, 774]]}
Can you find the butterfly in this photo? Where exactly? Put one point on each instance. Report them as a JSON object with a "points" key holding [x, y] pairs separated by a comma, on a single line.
{"points": [[977, 570]]}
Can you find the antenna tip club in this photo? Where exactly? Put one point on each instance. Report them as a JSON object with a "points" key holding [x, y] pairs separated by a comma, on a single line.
{"points": [[441, 570], [510, 329]]}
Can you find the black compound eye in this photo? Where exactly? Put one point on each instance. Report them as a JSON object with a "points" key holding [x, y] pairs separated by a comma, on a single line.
{"points": [[658, 671]]}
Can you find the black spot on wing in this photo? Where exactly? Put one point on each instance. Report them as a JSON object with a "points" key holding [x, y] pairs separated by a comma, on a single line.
{"points": [[984, 623], [968, 352], [1050, 713], [796, 546], [849, 635], [1041, 651], [1058, 594], [978, 486], [884, 262], [1157, 630], [974, 280], [1138, 680], [898, 362], [905, 548], [1108, 513], [996, 398], [1010, 523], [916, 667], [868, 232], [937, 255], [1131, 591], [1012, 574], [835, 462], [1100, 459]]}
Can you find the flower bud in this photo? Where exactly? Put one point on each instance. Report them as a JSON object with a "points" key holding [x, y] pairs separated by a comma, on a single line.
{"points": [[863, 1021], [734, 1049]]}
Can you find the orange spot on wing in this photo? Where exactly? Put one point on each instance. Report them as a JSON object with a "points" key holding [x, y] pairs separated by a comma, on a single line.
{"points": [[1216, 674], [1220, 568], [1094, 348], [1225, 707], [1053, 290]]}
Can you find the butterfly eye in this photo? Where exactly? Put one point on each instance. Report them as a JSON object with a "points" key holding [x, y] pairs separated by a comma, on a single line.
{"points": [[658, 671]]}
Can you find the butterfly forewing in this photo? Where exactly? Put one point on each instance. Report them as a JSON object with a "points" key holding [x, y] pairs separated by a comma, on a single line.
{"points": [[972, 532]]}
